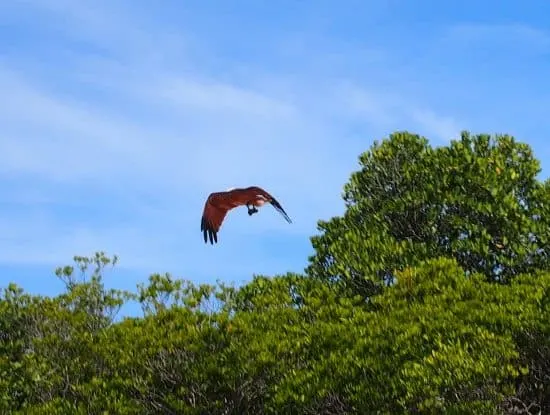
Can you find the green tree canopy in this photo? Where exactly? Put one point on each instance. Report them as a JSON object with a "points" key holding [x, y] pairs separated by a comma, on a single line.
{"points": [[434, 342], [477, 200]]}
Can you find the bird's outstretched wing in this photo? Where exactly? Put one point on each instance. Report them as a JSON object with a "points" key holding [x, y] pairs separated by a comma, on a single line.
{"points": [[218, 204], [213, 215]]}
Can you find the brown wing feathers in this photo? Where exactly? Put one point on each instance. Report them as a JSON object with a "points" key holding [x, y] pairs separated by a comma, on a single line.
{"points": [[213, 215]]}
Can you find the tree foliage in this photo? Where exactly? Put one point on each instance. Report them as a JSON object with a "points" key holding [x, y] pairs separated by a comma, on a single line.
{"points": [[398, 312], [477, 200]]}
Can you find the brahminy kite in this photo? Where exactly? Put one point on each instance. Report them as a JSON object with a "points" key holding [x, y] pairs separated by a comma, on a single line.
{"points": [[219, 203]]}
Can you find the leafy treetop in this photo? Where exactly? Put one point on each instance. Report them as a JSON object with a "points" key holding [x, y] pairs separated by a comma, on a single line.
{"points": [[476, 200]]}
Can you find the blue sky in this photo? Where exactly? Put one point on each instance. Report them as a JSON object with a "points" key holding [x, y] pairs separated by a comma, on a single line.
{"points": [[119, 117]]}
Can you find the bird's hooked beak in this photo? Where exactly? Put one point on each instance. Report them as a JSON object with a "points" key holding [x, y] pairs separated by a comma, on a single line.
{"points": [[278, 206]]}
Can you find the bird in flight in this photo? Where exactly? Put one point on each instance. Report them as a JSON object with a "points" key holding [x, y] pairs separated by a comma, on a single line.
{"points": [[219, 203]]}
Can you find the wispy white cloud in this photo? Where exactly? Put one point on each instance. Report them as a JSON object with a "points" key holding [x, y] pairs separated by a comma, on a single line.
{"points": [[122, 30], [389, 111], [443, 128], [375, 107], [221, 99], [518, 36]]}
